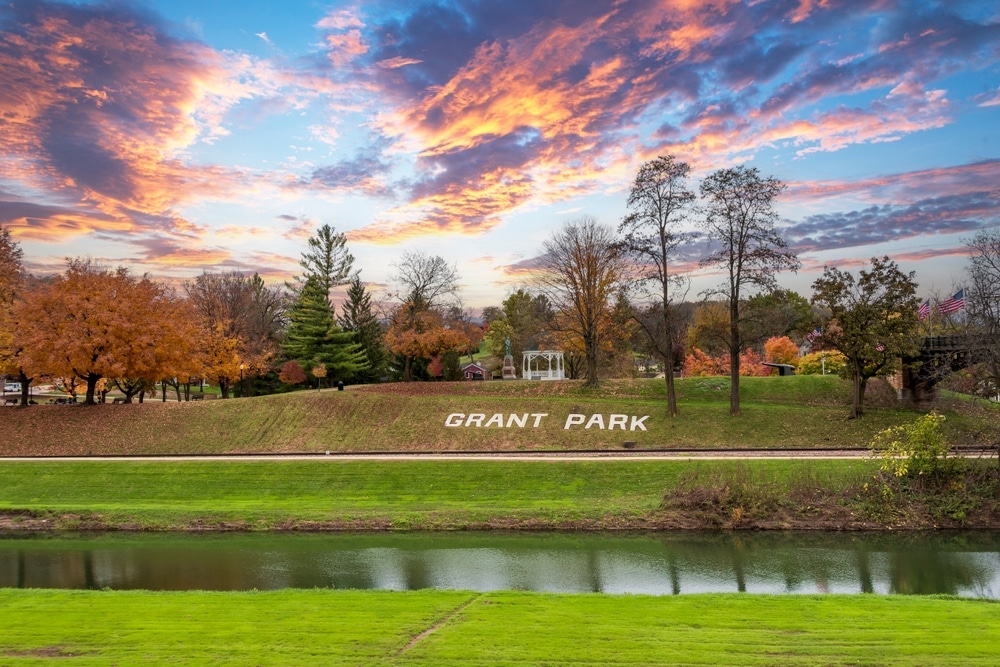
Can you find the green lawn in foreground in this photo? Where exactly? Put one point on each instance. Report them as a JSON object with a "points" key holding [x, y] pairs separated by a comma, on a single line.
{"points": [[424, 494], [441, 628]]}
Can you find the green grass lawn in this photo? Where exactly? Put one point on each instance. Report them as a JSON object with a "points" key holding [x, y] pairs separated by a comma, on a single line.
{"points": [[801, 411], [401, 494], [441, 628]]}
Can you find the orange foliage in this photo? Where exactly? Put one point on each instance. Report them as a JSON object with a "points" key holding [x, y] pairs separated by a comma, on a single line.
{"points": [[699, 364], [781, 350], [752, 365], [93, 323]]}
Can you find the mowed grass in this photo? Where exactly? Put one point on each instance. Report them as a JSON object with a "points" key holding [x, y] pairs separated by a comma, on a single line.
{"points": [[442, 628], [801, 411], [383, 494]]}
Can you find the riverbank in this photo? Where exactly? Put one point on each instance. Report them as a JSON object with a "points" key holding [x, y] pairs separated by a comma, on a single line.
{"points": [[443, 628], [328, 494]]}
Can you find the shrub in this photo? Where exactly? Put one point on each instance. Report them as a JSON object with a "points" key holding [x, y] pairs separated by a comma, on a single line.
{"points": [[917, 449], [814, 362]]}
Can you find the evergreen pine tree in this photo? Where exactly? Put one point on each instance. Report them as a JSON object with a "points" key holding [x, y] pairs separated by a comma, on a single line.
{"points": [[358, 318], [313, 336]]}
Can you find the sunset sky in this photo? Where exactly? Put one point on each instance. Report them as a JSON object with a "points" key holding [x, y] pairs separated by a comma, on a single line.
{"points": [[176, 136]]}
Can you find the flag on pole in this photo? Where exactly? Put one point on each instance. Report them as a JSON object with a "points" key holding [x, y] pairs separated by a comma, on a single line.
{"points": [[956, 302], [814, 334], [925, 310]]}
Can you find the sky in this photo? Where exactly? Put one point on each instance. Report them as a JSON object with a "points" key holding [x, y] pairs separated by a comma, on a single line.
{"points": [[175, 137]]}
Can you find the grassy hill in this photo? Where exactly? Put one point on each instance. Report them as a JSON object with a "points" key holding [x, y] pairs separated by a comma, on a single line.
{"points": [[801, 411]]}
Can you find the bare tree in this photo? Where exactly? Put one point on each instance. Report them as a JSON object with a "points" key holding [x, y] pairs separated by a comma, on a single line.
{"points": [[739, 215], [581, 269], [982, 298], [425, 280], [660, 202]]}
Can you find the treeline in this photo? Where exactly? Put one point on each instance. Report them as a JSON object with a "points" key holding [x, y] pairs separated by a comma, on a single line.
{"points": [[614, 301]]}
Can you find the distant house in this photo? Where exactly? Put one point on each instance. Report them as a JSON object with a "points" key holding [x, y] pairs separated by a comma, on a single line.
{"points": [[473, 372]]}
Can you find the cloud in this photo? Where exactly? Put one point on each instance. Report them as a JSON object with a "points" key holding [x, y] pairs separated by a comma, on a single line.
{"points": [[551, 102], [925, 203], [101, 109]]}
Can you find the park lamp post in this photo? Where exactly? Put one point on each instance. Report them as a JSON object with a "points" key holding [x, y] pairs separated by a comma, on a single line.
{"points": [[243, 392]]}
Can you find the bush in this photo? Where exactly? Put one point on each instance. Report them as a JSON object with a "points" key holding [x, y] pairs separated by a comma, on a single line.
{"points": [[813, 363], [913, 450]]}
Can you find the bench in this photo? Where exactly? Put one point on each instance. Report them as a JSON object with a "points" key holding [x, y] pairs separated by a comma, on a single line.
{"points": [[11, 400], [118, 401]]}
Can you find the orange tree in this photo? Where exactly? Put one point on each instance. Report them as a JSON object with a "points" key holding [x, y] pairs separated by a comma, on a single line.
{"points": [[420, 333], [91, 323]]}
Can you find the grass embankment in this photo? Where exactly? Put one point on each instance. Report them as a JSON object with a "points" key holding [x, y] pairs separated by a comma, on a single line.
{"points": [[460, 628], [330, 494], [801, 411]]}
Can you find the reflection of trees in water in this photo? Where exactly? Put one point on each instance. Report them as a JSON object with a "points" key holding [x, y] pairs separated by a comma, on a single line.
{"points": [[666, 563], [924, 572]]}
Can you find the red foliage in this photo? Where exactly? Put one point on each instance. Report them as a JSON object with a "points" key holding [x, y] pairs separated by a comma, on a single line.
{"points": [[698, 364], [292, 373]]}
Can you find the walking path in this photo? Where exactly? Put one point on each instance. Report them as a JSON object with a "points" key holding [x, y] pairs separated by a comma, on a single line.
{"points": [[659, 455]]}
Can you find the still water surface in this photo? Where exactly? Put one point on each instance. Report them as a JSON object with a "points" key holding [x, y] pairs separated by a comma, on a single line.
{"points": [[966, 564]]}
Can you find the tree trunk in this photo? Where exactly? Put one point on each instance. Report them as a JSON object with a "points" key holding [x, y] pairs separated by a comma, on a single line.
{"points": [[91, 388], [25, 391], [734, 357], [858, 390], [668, 361], [591, 351]]}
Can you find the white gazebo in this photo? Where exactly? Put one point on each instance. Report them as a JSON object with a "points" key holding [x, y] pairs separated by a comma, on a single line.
{"points": [[543, 365]]}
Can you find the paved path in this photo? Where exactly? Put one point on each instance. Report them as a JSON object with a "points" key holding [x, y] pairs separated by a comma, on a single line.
{"points": [[685, 455]]}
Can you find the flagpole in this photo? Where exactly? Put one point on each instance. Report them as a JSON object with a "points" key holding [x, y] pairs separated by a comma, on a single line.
{"points": [[822, 356]]}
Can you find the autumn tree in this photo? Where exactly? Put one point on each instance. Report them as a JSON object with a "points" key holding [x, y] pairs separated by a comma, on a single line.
{"points": [[824, 362], [238, 314], [739, 218], [292, 373], [873, 320], [579, 274], [358, 316], [781, 350], [709, 328], [94, 323], [982, 299], [417, 330], [13, 282], [420, 333], [659, 202]]}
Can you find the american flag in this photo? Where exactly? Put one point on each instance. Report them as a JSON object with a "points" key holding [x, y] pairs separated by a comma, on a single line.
{"points": [[814, 334], [924, 310], [880, 347], [956, 302]]}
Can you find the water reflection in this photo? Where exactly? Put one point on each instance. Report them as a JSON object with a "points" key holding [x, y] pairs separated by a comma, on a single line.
{"points": [[965, 564]]}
